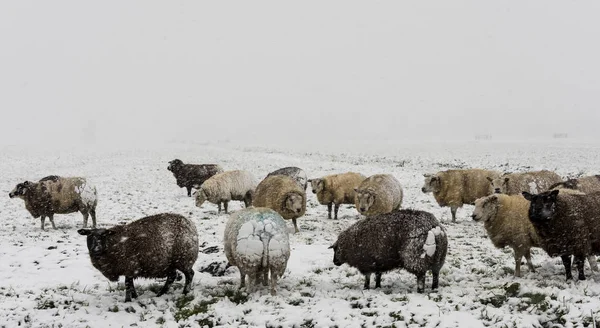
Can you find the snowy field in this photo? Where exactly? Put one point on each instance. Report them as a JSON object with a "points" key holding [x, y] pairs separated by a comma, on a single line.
{"points": [[47, 280]]}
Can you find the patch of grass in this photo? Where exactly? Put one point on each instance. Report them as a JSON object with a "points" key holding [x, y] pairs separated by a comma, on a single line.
{"points": [[403, 298], [496, 300], [307, 294], [512, 290], [397, 316], [295, 302], [356, 305], [45, 305], [308, 323], [113, 309], [369, 313], [508, 270], [436, 298], [160, 321], [130, 309], [236, 295], [318, 271], [206, 322], [200, 307]]}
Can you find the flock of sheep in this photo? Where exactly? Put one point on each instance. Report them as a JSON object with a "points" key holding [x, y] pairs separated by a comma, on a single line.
{"points": [[519, 210]]}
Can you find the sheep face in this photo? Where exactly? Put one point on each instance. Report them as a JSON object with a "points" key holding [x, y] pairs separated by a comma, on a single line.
{"points": [[96, 240], [174, 165], [293, 203], [200, 197], [337, 258], [365, 200], [542, 205], [485, 208], [432, 183], [498, 185], [20, 190], [317, 185]]}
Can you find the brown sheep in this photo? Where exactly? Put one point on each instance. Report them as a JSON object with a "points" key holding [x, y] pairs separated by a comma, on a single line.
{"points": [[58, 195], [282, 194], [454, 188], [336, 189], [515, 183], [378, 194]]}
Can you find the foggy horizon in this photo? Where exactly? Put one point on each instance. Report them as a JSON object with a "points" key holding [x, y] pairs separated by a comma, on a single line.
{"points": [[137, 72]]}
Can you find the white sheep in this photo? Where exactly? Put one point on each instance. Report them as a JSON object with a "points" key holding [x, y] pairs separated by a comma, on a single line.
{"points": [[227, 186], [256, 241], [515, 183]]}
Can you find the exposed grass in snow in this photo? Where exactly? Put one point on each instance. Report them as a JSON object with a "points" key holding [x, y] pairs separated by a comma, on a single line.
{"points": [[46, 278]]}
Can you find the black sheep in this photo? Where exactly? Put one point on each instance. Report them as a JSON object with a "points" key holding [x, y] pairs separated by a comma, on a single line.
{"points": [[192, 175]]}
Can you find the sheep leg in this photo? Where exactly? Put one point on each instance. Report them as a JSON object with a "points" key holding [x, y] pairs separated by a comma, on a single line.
{"points": [[566, 259], [266, 277], [242, 279], [170, 279], [377, 279], [329, 210], [85, 219], [129, 289], [189, 191], [579, 262], [42, 218], [189, 276], [273, 283], [528, 258], [436, 280], [518, 257], [367, 281], [93, 214], [337, 207], [51, 217], [420, 283], [295, 225], [453, 211], [225, 203], [219, 205], [593, 264]]}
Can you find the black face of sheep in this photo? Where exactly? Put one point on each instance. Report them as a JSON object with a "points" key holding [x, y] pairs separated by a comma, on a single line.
{"points": [[336, 256], [96, 240], [542, 205], [174, 165], [20, 189]]}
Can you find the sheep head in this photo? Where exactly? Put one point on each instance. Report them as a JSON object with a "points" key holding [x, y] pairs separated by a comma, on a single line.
{"points": [[96, 240], [432, 183], [294, 203], [364, 200], [485, 208], [21, 189], [201, 197], [317, 185], [498, 185], [542, 205], [174, 165], [337, 258]]}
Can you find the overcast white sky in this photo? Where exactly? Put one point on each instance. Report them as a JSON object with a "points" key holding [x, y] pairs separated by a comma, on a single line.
{"points": [[253, 70]]}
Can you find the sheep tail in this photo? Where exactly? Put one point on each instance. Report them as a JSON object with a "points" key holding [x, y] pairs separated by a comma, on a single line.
{"points": [[265, 258]]}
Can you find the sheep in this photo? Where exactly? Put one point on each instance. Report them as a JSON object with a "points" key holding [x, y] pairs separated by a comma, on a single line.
{"points": [[295, 173], [454, 188], [192, 175], [378, 194], [227, 186], [515, 183], [58, 195], [152, 247], [586, 185], [256, 241], [409, 239], [568, 224], [336, 189], [283, 195]]}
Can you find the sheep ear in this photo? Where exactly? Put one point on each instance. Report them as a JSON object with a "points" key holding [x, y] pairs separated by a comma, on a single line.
{"points": [[527, 195], [84, 232], [427, 175], [553, 194], [506, 180], [355, 189], [490, 179]]}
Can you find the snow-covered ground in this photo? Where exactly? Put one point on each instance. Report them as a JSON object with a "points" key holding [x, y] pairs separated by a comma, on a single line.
{"points": [[47, 280]]}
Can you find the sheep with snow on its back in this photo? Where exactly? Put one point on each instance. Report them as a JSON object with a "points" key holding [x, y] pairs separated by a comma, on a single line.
{"points": [[227, 186], [454, 188], [336, 189], [58, 195], [378, 194], [568, 224], [515, 183], [409, 239], [295, 173], [151, 247], [283, 195], [586, 184], [192, 175], [257, 242]]}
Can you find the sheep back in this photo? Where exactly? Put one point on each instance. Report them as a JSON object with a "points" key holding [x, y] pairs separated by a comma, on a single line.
{"points": [[229, 185], [274, 190], [149, 247], [387, 191], [296, 173], [533, 182], [257, 239], [586, 185], [71, 194], [394, 240], [339, 188], [459, 187]]}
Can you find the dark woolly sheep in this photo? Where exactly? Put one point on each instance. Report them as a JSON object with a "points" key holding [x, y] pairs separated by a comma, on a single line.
{"points": [[409, 239], [192, 175], [58, 195], [568, 224], [152, 247], [296, 173]]}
